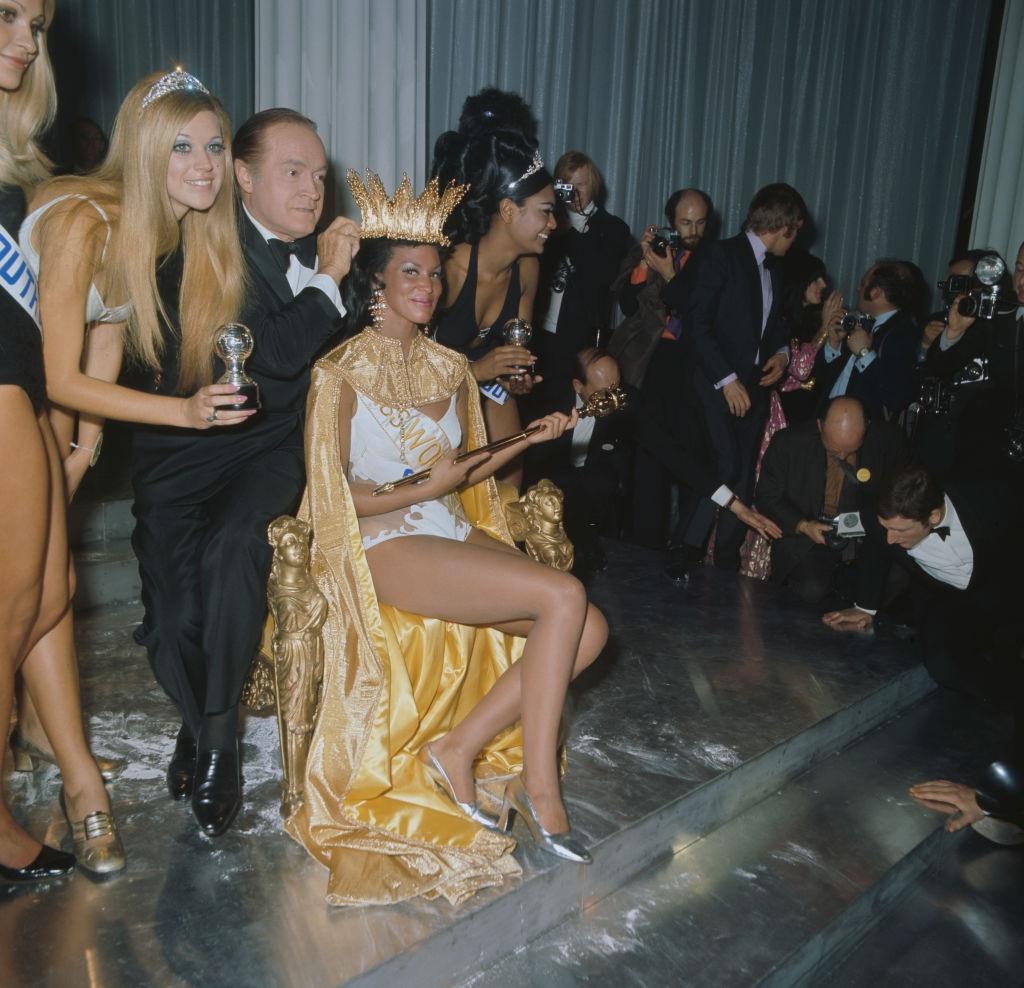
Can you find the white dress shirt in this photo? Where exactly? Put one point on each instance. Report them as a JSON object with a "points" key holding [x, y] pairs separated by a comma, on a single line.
{"points": [[949, 560], [581, 436], [299, 276]]}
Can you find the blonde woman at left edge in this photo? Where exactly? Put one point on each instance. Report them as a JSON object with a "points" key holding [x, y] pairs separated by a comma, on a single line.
{"points": [[34, 576]]}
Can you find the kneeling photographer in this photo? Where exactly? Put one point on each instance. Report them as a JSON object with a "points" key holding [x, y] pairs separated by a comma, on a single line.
{"points": [[818, 482], [969, 378]]}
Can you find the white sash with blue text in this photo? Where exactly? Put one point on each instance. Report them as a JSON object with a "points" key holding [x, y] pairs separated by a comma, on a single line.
{"points": [[16, 275]]}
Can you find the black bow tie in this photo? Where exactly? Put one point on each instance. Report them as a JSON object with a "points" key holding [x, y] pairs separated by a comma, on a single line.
{"points": [[942, 532], [304, 249]]}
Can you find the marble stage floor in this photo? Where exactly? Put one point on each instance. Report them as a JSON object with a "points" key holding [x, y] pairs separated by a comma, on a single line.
{"points": [[695, 684]]}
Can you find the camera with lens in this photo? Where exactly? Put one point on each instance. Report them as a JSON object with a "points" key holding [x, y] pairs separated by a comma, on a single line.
{"points": [[664, 238], [562, 274], [954, 285], [936, 396], [845, 526], [565, 192], [853, 320], [983, 302]]}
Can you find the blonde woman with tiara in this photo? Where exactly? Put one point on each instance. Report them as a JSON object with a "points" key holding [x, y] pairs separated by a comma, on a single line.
{"points": [[96, 242], [34, 577]]}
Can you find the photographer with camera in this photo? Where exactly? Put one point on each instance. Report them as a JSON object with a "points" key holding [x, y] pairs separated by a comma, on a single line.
{"points": [[957, 424], [578, 267], [653, 264], [818, 482], [872, 354]]}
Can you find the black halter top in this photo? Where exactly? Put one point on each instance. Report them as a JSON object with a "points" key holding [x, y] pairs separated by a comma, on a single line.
{"points": [[456, 326]]}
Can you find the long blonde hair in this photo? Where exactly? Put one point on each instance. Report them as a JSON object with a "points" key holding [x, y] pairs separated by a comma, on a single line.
{"points": [[131, 184], [26, 113]]}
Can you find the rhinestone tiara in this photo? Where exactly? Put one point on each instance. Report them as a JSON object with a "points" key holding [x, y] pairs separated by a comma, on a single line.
{"points": [[173, 82], [535, 166], [404, 217]]}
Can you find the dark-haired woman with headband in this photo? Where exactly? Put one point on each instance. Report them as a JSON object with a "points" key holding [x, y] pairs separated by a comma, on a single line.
{"points": [[491, 275]]}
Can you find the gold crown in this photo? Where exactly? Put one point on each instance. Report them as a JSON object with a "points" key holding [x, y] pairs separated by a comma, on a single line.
{"points": [[404, 217]]}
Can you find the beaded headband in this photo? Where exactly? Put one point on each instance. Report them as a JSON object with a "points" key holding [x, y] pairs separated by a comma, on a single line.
{"points": [[177, 81], [405, 217]]}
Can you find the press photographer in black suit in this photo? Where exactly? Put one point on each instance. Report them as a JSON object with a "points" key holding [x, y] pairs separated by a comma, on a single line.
{"points": [[876, 366], [590, 463], [203, 500], [578, 267], [811, 473], [963, 546], [965, 393], [962, 543], [730, 314]]}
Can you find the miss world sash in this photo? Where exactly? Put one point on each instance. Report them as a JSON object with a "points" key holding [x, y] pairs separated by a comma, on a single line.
{"points": [[16, 275]]}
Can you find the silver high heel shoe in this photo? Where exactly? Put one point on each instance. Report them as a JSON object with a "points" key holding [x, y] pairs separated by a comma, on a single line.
{"points": [[517, 800], [440, 779], [28, 757]]}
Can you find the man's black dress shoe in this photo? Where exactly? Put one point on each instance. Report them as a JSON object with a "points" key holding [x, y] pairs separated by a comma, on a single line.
{"points": [[217, 794], [679, 563], [48, 863], [181, 771]]}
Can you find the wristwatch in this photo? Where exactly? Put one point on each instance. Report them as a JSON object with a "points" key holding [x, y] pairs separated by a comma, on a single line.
{"points": [[864, 352]]}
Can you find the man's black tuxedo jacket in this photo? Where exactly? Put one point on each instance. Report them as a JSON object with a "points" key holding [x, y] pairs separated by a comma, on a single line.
{"points": [[289, 333], [720, 304], [586, 301], [886, 386], [791, 488], [610, 446]]}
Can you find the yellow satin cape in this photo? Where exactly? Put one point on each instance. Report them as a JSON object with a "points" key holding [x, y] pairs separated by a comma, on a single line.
{"points": [[392, 683]]}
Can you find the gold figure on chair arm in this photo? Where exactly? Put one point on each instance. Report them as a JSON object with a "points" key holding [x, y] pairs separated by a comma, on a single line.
{"points": [[295, 670], [536, 520]]}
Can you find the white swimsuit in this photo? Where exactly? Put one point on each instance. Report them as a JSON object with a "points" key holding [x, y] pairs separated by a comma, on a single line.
{"points": [[96, 310], [387, 444]]}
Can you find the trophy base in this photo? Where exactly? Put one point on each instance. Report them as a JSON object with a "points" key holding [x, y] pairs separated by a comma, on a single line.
{"points": [[251, 392]]}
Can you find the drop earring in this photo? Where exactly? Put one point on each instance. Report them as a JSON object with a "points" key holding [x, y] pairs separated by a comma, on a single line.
{"points": [[377, 308]]}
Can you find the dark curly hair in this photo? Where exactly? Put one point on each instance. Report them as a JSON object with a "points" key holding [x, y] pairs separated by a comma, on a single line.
{"points": [[799, 269], [490, 162], [357, 288], [497, 109]]}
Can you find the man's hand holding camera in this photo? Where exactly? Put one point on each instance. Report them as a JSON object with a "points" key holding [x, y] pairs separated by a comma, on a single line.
{"points": [[858, 340], [663, 264], [814, 530]]}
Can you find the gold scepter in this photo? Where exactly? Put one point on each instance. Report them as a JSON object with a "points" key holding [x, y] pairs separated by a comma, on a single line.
{"points": [[598, 405]]}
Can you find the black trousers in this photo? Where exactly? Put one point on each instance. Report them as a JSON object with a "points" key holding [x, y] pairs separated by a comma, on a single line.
{"points": [[733, 443], [204, 566]]}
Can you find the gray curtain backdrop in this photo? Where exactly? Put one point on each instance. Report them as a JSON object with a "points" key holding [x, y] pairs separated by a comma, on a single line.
{"points": [[999, 206], [866, 106], [101, 48], [358, 68]]}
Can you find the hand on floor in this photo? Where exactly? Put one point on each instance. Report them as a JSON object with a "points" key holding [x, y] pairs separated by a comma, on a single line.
{"points": [[954, 799]]}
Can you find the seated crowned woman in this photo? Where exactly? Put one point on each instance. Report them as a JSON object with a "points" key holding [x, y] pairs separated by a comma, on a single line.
{"points": [[447, 653]]}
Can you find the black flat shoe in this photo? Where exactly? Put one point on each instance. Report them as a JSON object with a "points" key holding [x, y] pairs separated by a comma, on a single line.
{"points": [[49, 863], [217, 794], [181, 771]]}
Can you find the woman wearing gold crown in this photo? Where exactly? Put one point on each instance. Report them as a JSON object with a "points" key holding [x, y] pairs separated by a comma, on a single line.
{"points": [[415, 710]]}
